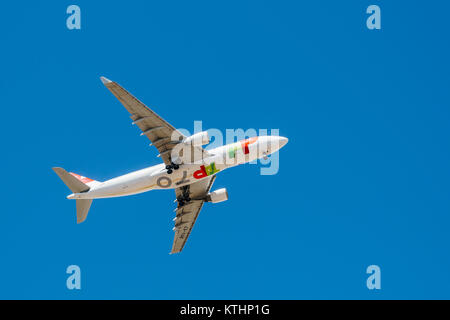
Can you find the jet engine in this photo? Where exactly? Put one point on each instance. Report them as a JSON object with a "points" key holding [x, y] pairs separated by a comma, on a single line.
{"points": [[198, 139], [217, 196]]}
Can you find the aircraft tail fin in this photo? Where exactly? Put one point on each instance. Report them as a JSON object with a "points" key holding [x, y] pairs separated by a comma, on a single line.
{"points": [[73, 181], [83, 206], [77, 184]]}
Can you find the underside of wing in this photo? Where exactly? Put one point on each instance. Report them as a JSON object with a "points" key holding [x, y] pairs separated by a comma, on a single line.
{"points": [[161, 134], [190, 201]]}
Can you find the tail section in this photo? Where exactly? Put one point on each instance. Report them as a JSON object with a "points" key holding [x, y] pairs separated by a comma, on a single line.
{"points": [[74, 182], [77, 184], [83, 206]]}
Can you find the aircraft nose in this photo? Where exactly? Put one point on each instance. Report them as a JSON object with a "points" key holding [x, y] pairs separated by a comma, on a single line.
{"points": [[283, 141]]}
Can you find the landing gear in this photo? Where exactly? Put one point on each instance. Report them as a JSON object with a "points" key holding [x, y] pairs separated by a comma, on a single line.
{"points": [[183, 201], [172, 166], [184, 197]]}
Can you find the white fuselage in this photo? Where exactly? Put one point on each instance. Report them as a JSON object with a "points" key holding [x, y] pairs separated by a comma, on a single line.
{"points": [[157, 177]]}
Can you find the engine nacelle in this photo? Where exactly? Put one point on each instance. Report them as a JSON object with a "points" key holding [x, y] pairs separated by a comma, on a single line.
{"points": [[218, 195], [198, 139]]}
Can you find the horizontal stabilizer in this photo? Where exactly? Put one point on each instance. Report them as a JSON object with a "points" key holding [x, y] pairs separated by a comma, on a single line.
{"points": [[83, 206]]}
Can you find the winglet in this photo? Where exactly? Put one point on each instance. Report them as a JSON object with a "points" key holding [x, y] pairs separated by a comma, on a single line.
{"points": [[105, 81]]}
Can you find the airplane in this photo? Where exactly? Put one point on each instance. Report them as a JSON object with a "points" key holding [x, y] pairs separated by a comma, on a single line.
{"points": [[187, 167]]}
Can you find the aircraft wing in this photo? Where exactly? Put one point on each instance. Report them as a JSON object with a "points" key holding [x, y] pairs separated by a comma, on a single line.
{"points": [[187, 212], [161, 134]]}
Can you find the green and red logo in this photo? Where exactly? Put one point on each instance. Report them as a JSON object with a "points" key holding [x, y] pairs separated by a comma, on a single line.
{"points": [[243, 144], [206, 171]]}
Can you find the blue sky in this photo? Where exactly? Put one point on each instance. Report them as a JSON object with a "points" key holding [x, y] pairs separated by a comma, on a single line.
{"points": [[363, 180]]}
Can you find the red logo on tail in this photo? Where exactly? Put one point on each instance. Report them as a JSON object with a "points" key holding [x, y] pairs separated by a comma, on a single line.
{"points": [[81, 178]]}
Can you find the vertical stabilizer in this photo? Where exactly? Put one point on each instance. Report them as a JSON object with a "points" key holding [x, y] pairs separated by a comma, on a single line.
{"points": [[77, 184], [73, 183]]}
